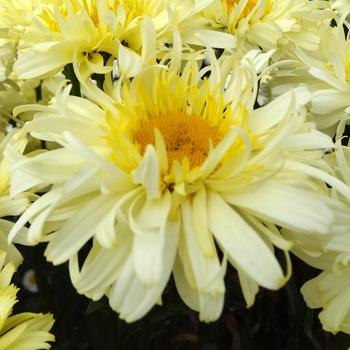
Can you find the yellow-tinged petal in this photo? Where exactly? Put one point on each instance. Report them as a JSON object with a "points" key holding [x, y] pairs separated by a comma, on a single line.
{"points": [[148, 222], [148, 173], [245, 249], [200, 223], [281, 204], [129, 296], [78, 230], [249, 288]]}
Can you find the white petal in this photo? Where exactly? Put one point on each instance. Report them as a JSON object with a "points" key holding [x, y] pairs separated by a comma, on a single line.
{"points": [[249, 288], [273, 113], [78, 230], [38, 206], [129, 296], [311, 293], [208, 304], [15, 206], [188, 294], [338, 185], [31, 64], [312, 140], [13, 255], [327, 101], [326, 77], [285, 205], [245, 249], [149, 225], [206, 270], [148, 173], [335, 313], [210, 38], [130, 63], [200, 223], [102, 266]]}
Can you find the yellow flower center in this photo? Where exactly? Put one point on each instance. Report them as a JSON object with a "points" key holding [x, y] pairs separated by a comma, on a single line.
{"points": [[183, 135]]}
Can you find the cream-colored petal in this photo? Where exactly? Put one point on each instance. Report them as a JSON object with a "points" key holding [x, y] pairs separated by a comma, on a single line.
{"points": [[244, 247], [101, 267], [285, 205], [129, 296], [207, 270], [148, 225], [78, 230], [45, 201], [148, 173], [249, 288], [200, 223]]}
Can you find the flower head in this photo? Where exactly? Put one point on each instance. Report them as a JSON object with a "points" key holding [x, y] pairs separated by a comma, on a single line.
{"points": [[270, 24], [330, 68], [95, 34], [330, 289], [183, 167]]}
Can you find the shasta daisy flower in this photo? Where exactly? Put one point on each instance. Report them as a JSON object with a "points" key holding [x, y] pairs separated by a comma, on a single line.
{"points": [[330, 68], [270, 23], [27, 331], [182, 168], [324, 252], [330, 289], [15, 16], [93, 34]]}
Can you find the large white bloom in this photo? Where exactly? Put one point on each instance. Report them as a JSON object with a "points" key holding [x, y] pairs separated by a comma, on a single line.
{"points": [[330, 290], [98, 35], [331, 250], [329, 70], [270, 24], [182, 167]]}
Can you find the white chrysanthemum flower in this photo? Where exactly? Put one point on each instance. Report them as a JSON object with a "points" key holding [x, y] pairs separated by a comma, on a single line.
{"points": [[92, 34], [27, 331], [270, 24], [181, 167], [332, 249], [330, 69], [15, 16], [330, 290]]}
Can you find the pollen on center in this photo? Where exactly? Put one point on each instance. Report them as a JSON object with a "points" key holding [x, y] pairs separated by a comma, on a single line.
{"points": [[183, 135]]}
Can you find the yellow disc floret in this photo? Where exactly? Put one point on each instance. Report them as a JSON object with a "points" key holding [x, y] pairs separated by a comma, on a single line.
{"points": [[184, 136]]}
